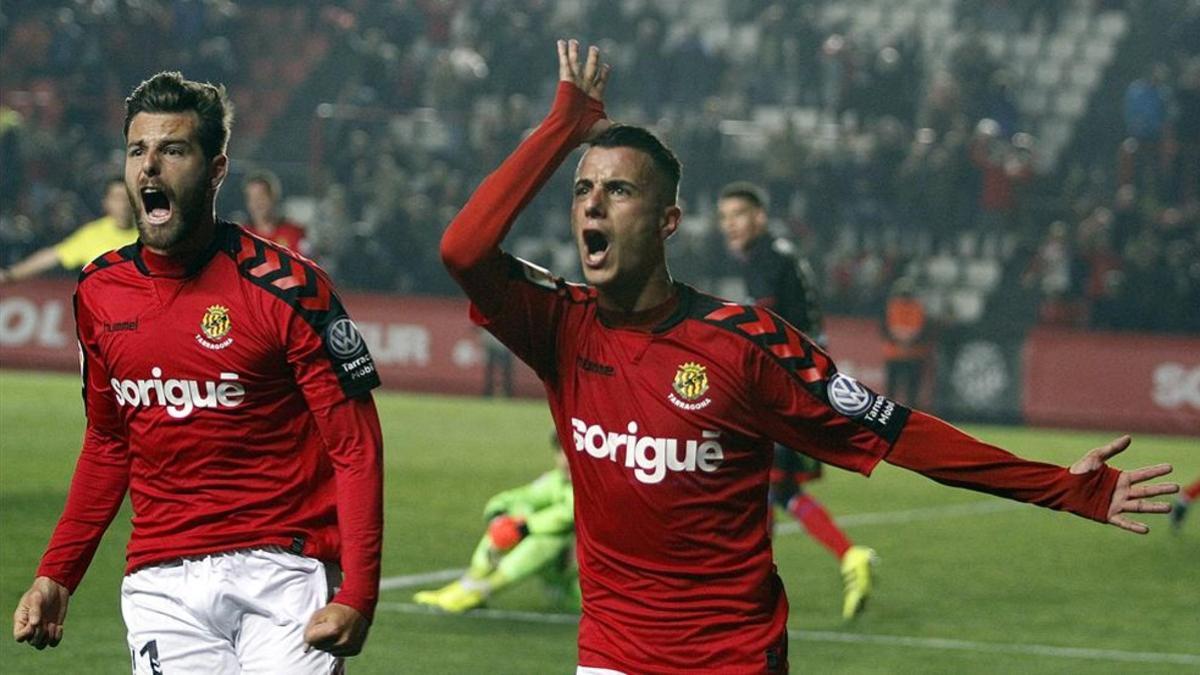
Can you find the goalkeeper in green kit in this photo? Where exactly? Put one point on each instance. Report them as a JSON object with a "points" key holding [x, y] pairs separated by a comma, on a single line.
{"points": [[531, 531]]}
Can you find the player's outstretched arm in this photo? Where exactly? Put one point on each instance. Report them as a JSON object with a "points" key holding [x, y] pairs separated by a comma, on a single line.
{"points": [[1129, 496], [1089, 488], [32, 266], [41, 613]]}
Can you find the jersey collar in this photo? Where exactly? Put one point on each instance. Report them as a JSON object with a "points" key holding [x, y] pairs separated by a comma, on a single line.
{"points": [[658, 319], [156, 265]]}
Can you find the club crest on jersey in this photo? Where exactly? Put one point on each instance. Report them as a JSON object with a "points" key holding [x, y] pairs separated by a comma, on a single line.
{"points": [[690, 386], [214, 328]]}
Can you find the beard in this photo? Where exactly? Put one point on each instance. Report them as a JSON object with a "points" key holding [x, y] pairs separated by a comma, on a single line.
{"points": [[187, 213]]}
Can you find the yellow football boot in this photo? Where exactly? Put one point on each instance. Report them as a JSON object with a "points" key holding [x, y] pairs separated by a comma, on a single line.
{"points": [[856, 576]]}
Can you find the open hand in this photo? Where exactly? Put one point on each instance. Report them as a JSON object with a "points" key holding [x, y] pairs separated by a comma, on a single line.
{"points": [[590, 78], [1129, 497]]}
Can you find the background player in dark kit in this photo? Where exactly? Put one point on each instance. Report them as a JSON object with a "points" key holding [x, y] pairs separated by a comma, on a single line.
{"points": [[778, 278]]}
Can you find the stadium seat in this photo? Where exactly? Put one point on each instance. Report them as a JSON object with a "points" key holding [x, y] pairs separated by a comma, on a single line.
{"points": [[1034, 100], [1070, 104], [1075, 22], [806, 119], [869, 18], [904, 18], [1026, 48], [1099, 51], [1113, 24], [1048, 74], [1061, 47], [934, 300], [1085, 75], [771, 118], [965, 305], [997, 45], [942, 270], [982, 274]]}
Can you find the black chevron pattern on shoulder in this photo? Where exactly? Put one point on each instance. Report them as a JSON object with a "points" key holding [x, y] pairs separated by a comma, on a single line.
{"points": [[795, 352], [296, 281], [128, 253]]}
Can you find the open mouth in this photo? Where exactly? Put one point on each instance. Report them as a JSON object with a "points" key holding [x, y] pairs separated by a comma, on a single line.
{"points": [[596, 244], [156, 204]]}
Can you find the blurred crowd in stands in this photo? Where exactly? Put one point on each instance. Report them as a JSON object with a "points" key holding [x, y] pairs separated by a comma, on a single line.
{"points": [[885, 164]]}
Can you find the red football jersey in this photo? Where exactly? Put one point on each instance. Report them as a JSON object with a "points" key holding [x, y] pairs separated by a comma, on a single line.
{"points": [[232, 398], [669, 434], [668, 419]]}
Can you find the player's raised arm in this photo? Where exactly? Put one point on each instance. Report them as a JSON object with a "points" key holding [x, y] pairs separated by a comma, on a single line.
{"points": [[471, 244]]}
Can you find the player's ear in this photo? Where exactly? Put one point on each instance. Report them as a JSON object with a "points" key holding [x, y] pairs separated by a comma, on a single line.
{"points": [[670, 221], [218, 168]]}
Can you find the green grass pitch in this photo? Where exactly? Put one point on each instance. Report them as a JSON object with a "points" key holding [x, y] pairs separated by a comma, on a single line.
{"points": [[965, 585]]}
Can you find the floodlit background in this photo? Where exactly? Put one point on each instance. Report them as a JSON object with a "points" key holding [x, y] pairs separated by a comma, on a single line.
{"points": [[1032, 168]]}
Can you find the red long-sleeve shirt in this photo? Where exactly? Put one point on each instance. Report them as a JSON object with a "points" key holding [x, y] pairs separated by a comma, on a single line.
{"points": [[231, 399], [669, 418]]}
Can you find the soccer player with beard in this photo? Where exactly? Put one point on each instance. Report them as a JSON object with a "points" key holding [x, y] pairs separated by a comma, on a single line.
{"points": [[779, 279], [668, 401], [228, 392]]}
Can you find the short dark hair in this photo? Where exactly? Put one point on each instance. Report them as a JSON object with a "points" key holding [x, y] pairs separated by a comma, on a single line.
{"points": [[267, 178], [169, 92], [746, 190], [639, 138]]}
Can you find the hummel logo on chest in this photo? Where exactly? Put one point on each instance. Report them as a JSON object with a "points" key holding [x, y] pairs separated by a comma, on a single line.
{"points": [[120, 326], [594, 367]]}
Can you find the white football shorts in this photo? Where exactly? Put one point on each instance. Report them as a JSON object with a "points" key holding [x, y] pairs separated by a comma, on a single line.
{"points": [[236, 613]]}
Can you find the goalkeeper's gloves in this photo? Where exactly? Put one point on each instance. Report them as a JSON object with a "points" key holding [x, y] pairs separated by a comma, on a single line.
{"points": [[506, 532]]}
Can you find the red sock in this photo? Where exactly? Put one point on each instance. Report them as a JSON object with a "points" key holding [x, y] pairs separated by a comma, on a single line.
{"points": [[1192, 491], [819, 524]]}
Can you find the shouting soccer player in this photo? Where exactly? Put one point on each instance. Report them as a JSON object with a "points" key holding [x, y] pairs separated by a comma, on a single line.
{"points": [[228, 392], [668, 401], [778, 278]]}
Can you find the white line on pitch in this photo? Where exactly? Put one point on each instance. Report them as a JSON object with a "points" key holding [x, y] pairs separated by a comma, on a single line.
{"points": [[410, 580], [861, 638], [853, 520]]}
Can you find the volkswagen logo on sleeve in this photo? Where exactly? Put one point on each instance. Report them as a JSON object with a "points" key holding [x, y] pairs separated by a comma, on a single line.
{"points": [[344, 339], [849, 397]]}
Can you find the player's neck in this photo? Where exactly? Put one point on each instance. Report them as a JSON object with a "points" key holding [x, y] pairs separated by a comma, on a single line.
{"points": [[658, 289], [182, 255]]}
